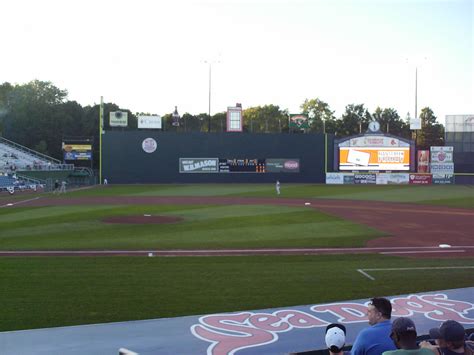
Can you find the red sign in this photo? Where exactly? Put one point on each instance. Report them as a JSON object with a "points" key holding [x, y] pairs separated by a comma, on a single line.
{"points": [[421, 179], [423, 161]]}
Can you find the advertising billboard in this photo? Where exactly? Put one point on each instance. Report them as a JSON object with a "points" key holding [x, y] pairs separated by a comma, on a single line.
{"points": [[423, 161], [392, 179], [77, 151], [421, 179], [282, 165], [118, 119], [365, 178], [441, 154], [198, 165], [149, 122], [238, 165], [374, 158]]}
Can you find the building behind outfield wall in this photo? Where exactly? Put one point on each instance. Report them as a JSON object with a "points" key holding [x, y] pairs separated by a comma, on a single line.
{"points": [[459, 133]]}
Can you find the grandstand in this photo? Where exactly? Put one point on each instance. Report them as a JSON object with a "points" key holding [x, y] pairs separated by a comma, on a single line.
{"points": [[22, 168], [15, 157]]}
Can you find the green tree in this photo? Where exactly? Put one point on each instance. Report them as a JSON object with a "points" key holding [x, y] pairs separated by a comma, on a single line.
{"points": [[432, 132], [265, 119], [321, 117], [390, 122], [353, 121]]}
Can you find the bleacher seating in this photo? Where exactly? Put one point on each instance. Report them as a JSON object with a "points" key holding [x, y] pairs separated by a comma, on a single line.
{"points": [[7, 181], [14, 157]]}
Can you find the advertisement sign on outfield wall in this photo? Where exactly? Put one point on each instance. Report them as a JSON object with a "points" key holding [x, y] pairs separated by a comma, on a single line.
{"points": [[423, 161], [282, 165], [441, 154], [392, 179], [442, 168], [334, 178], [365, 178], [443, 179], [421, 179], [198, 165]]}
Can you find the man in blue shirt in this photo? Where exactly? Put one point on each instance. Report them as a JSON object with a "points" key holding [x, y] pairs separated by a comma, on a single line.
{"points": [[375, 339]]}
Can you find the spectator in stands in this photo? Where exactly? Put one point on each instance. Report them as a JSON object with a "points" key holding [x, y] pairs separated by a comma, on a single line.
{"points": [[404, 337], [450, 339], [375, 339], [335, 338]]}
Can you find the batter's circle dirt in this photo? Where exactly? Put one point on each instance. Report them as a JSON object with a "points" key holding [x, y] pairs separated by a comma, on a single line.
{"points": [[145, 219]]}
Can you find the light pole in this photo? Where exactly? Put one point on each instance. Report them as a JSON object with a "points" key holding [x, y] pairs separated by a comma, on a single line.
{"points": [[210, 62]]}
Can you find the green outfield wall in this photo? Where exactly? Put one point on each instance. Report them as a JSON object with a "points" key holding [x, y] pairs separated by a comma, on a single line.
{"points": [[136, 157]]}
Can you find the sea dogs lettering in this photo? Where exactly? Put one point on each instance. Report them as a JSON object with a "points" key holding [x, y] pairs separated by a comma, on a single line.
{"points": [[229, 333]]}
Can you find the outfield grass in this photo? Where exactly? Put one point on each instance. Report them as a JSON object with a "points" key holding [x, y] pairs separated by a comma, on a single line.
{"points": [[447, 195], [46, 292], [204, 227]]}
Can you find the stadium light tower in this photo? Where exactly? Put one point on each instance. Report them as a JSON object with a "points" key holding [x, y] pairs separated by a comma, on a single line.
{"points": [[210, 62]]}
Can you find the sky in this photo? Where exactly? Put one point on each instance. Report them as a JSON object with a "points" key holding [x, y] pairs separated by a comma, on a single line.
{"points": [[150, 56]]}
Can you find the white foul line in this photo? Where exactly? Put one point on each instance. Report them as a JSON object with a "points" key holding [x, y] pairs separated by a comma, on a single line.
{"points": [[411, 268], [366, 274], [17, 203]]}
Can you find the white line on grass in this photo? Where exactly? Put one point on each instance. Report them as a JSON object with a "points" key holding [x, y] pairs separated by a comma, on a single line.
{"points": [[17, 203], [366, 274], [363, 271]]}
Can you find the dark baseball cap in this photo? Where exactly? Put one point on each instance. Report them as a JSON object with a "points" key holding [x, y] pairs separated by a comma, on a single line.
{"points": [[402, 325], [449, 330]]}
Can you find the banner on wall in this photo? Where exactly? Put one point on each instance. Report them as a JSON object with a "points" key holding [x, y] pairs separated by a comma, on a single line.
{"points": [[365, 179], [423, 161], [442, 168], [443, 179], [335, 178], [198, 165], [441, 154], [421, 179], [392, 179]]}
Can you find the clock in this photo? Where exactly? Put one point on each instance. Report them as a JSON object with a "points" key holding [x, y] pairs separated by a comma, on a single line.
{"points": [[374, 126]]}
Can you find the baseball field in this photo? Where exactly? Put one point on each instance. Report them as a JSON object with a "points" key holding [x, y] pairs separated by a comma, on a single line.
{"points": [[120, 253]]}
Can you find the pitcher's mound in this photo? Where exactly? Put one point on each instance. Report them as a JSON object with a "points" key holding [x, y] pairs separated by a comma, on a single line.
{"points": [[145, 219]]}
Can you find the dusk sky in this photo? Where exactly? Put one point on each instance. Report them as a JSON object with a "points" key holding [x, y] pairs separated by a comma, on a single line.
{"points": [[149, 56]]}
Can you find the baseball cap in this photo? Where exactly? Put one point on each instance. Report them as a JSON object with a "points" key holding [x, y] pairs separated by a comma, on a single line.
{"points": [[403, 324], [335, 337], [449, 330]]}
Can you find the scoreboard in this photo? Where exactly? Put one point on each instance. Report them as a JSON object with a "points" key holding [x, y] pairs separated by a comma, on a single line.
{"points": [[242, 165], [239, 165]]}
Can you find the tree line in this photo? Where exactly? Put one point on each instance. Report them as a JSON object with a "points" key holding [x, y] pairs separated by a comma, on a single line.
{"points": [[39, 115]]}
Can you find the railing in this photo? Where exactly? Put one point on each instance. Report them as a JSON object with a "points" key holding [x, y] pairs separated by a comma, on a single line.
{"points": [[30, 180]]}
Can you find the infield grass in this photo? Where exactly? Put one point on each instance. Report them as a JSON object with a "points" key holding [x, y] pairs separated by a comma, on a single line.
{"points": [[203, 227]]}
